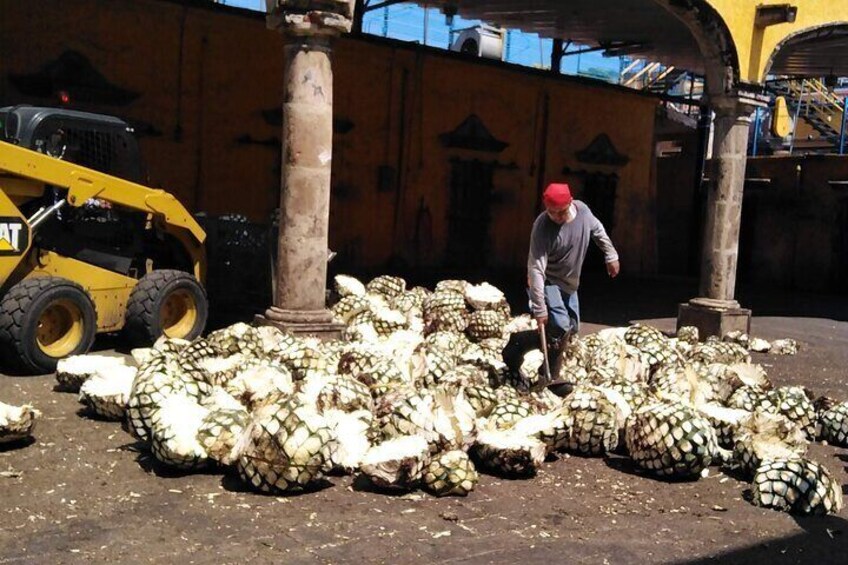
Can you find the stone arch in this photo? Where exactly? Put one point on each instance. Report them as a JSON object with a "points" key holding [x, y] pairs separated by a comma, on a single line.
{"points": [[714, 39], [800, 37]]}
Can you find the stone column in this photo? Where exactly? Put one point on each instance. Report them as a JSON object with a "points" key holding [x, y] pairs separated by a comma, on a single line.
{"points": [[308, 28], [715, 311]]}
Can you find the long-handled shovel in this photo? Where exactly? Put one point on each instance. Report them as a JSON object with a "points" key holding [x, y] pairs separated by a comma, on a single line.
{"points": [[544, 340]]}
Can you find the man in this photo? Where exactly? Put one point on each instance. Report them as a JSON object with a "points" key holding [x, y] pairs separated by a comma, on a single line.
{"points": [[558, 245]]}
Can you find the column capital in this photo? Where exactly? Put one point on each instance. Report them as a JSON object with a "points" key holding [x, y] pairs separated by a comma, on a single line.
{"points": [[310, 17], [738, 102]]}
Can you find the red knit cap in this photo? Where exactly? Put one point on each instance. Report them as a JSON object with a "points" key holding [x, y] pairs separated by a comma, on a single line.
{"points": [[557, 195]]}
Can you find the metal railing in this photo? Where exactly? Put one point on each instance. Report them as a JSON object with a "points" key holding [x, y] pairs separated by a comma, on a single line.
{"points": [[811, 100]]}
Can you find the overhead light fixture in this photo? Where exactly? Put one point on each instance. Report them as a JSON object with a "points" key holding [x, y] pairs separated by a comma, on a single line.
{"points": [[775, 14]]}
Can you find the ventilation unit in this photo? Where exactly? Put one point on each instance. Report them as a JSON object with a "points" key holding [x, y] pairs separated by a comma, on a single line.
{"points": [[480, 41]]}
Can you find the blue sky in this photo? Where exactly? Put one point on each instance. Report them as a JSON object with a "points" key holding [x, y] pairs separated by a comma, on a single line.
{"points": [[406, 22]]}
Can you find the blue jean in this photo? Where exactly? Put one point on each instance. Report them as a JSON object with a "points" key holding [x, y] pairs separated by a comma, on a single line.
{"points": [[563, 311]]}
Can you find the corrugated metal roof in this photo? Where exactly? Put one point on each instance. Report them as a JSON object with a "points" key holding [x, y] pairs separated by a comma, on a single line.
{"points": [[822, 53], [659, 35]]}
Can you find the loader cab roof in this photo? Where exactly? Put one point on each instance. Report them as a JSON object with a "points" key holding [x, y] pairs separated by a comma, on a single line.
{"points": [[100, 142]]}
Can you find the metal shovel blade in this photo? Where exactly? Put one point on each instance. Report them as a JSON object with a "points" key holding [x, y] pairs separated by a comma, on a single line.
{"points": [[543, 338]]}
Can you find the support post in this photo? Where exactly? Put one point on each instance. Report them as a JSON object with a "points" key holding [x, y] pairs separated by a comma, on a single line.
{"points": [[556, 56], [757, 124], [797, 114], [307, 134], [715, 311], [386, 21], [358, 17], [426, 21], [842, 131]]}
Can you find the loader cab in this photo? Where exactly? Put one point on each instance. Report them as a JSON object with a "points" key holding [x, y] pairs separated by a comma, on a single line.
{"points": [[99, 142], [96, 232]]}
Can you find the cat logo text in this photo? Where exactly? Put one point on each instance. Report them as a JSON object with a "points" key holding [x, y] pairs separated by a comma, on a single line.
{"points": [[14, 236]]}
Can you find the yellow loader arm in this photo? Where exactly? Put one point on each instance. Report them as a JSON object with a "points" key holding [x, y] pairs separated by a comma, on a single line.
{"points": [[83, 183], [24, 173]]}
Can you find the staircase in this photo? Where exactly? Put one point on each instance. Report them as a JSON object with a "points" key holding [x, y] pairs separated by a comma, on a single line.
{"points": [[651, 76], [654, 77], [811, 100]]}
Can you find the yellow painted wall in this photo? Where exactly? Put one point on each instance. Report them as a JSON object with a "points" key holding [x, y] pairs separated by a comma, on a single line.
{"points": [[441, 92], [754, 47], [397, 98], [627, 123]]}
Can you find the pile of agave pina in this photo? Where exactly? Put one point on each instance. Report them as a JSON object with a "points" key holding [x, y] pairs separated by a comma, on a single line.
{"points": [[416, 394]]}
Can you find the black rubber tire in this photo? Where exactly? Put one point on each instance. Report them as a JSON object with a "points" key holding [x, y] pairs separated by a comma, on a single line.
{"points": [[143, 325], [20, 310]]}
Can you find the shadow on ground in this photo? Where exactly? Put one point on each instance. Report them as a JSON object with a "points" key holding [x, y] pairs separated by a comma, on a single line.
{"points": [[617, 302], [824, 540]]}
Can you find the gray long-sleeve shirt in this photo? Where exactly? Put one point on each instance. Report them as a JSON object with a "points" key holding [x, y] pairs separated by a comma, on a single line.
{"points": [[557, 253]]}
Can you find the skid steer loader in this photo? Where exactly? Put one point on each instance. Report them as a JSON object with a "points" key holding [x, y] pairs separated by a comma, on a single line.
{"points": [[84, 247]]}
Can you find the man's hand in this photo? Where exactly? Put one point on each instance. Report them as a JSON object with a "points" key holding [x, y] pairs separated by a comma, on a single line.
{"points": [[542, 321], [613, 267]]}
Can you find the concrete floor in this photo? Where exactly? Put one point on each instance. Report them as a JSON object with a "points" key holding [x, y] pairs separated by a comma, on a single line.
{"points": [[84, 492]]}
